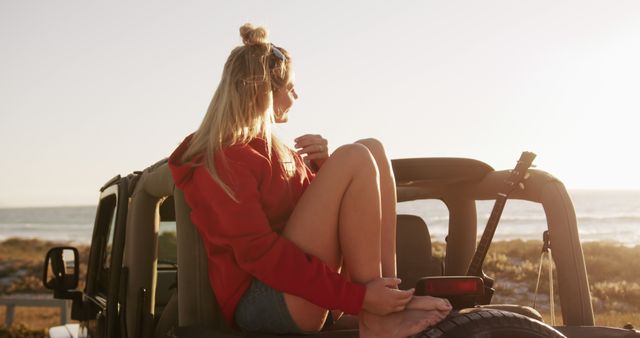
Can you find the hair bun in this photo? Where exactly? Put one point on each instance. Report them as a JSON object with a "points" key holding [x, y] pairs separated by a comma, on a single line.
{"points": [[252, 35]]}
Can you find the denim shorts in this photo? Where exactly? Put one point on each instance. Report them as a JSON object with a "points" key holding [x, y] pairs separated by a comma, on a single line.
{"points": [[263, 309]]}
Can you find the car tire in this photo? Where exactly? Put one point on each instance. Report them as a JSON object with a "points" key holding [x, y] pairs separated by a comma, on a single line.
{"points": [[486, 323]]}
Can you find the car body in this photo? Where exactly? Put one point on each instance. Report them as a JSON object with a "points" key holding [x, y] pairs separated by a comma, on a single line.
{"points": [[137, 287]]}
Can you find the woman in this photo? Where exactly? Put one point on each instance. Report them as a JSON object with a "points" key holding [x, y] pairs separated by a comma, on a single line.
{"points": [[286, 244]]}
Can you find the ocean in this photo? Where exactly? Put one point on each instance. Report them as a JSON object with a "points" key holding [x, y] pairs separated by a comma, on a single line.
{"points": [[602, 216]]}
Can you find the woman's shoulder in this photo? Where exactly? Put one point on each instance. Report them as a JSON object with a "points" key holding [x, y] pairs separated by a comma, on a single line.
{"points": [[254, 149], [252, 154]]}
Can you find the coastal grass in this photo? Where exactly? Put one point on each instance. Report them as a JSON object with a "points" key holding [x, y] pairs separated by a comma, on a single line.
{"points": [[29, 322], [611, 319], [613, 270], [21, 264], [21, 331]]}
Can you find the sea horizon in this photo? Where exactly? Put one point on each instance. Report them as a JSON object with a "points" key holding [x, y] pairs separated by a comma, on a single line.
{"points": [[80, 205], [611, 215]]}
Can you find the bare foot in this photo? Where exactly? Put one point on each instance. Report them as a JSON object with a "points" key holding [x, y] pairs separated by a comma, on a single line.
{"points": [[429, 303], [398, 324]]}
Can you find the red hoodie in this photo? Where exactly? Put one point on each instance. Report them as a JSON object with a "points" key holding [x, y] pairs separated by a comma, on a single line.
{"points": [[242, 238]]}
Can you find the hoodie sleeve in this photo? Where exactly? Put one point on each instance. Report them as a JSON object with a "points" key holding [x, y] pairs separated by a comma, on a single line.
{"points": [[244, 228]]}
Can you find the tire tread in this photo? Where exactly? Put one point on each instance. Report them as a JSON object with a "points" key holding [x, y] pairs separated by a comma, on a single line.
{"points": [[483, 321]]}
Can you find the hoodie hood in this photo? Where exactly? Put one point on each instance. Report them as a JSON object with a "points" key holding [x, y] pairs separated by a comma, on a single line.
{"points": [[181, 172]]}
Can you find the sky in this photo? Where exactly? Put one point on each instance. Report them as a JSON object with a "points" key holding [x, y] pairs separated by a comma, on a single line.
{"points": [[92, 89]]}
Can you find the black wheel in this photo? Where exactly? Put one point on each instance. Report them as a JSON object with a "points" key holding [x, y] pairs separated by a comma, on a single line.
{"points": [[486, 323]]}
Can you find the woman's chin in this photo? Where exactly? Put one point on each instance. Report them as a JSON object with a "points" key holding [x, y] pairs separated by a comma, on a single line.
{"points": [[282, 119]]}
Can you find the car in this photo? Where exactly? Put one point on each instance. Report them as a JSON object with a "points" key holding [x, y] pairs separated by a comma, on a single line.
{"points": [[143, 281]]}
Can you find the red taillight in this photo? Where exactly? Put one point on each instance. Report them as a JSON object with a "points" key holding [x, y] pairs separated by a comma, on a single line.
{"points": [[450, 286]]}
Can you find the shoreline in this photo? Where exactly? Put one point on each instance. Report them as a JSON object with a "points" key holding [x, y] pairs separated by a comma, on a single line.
{"points": [[93, 205]]}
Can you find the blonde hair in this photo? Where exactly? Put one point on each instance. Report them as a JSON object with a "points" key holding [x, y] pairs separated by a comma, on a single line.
{"points": [[242, 106]]}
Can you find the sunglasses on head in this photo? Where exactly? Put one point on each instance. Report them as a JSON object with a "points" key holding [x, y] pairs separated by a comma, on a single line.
{"points": [[277, 53]]}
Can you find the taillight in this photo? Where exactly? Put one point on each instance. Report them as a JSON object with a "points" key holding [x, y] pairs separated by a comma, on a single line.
{"points": [[448, 286]]}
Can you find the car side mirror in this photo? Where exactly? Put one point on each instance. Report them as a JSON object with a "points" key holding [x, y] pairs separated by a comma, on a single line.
{"points": [[61, 269]]}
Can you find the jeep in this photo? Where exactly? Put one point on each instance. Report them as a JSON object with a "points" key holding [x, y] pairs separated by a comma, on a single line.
{"points": [[147, 270]]}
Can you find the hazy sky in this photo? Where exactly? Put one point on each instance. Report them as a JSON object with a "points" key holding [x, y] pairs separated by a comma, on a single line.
{"points": [[92, 89]]}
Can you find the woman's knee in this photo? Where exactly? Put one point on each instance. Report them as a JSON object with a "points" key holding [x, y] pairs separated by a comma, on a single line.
{"points": [[372, 144], [356, 156], [375, 147]]}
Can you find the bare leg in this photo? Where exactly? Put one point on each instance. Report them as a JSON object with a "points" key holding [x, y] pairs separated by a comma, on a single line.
{"points": [[339, 217], [388, 201], [388, 205], [389, 223]]}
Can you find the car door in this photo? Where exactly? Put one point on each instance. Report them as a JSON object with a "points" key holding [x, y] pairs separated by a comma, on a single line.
{"points": [[102, 293]]}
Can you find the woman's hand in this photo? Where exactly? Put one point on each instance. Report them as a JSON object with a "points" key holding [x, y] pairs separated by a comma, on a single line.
{"points": [[313, 147], [383, 297]]}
